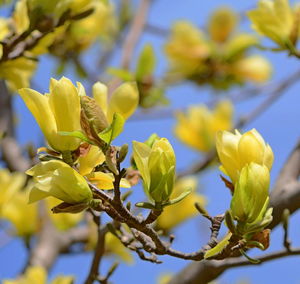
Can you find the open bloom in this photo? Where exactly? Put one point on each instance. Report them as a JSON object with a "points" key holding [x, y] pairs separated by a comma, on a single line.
{"points": [[236, 150], [57, 111], [157, 168], [56, 178], [197, 128]]}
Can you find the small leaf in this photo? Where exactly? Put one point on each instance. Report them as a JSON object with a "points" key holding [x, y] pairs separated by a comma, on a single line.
{"points": [[146, 205], [111, 132], [179, 198], [65, 207], [252, 260], [146, 62], [219, 247], [121, 73], [255, 244], [77, 134], [229, 222]]}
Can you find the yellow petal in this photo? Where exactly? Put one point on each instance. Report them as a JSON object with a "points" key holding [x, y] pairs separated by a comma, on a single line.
{"points": [[100, 95]]}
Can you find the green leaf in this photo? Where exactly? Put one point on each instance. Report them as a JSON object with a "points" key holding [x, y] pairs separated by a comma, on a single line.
{"points": [[121, 73], [179, 198], [219, 247], [146, 205], [112, 131], [146, 62], [252, 260], [229, 222], [255, 244], [77, 134]]}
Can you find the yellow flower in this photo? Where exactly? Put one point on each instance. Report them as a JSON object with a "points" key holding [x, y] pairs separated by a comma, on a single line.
{"points": [[251, 194], [186, 48], [254, 68], [236, 150], [274, 19], [198, 127], [221, 24], [185, 209], [62, 221], [157, 168], [124, 100], [20, 17], [17, 72], [38, 275], [10, 184], [22, 215], [56, 178], [57, 111]]}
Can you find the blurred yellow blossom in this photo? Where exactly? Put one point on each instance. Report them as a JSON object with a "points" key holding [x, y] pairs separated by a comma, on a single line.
{"points": [[199, 126], [10, 184], [176, 214], [22, 215], [274, 19], [38, 275]]}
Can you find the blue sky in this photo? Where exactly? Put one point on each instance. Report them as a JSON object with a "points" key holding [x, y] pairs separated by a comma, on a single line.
{"points": [[279, 125]]}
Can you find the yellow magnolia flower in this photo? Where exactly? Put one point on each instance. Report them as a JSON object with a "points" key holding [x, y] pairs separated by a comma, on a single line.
{"points": [[199, 126], [10, 184], [185, 209], [157, 168], [57, 111], [124, 100], [38, 275], [186, 48], [251, 195], [274, 19], [56, 178], [236, 151], [17, 72], [254, 68], [22, 215], [221, 24], [62, 221]]}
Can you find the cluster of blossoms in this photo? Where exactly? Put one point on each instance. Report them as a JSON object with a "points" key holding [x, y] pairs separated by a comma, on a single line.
{"points": [[220, 57]]}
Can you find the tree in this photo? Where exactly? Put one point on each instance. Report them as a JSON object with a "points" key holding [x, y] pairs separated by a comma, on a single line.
{"points": [[102, 143]]}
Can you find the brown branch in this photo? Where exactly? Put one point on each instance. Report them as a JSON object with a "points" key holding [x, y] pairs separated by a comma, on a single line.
{"points": [[99, 252]]}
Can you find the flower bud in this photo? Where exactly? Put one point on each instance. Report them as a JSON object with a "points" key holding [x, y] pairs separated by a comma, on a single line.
{"points": [[236, 150], [157, 168], [251, 195], [56, 178]]}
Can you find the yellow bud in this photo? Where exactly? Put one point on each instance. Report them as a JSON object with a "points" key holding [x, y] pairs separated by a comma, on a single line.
{"points": [[236, 150], [56, 178], [157, 168], [254, 68], [124, 100], [250, 193], [221, 24]]}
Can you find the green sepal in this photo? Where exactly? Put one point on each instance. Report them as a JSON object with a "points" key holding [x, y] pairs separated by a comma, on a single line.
{"points": [[112, 131], [219, 247], [146, 62], [65, 207], [179, 198], [229, 222], [77, 134], [145, 205], [252, 260], [255, 244]]}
